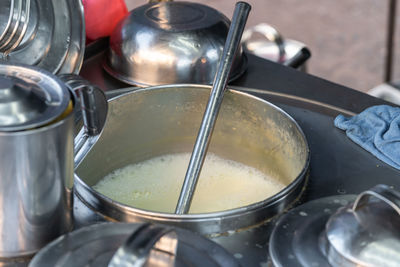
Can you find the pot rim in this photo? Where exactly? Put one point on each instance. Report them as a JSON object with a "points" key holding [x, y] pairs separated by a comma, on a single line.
{"points": [[80, 185]]}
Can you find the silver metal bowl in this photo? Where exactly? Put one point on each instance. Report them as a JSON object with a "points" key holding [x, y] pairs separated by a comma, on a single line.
{"points": [[170, 42]]}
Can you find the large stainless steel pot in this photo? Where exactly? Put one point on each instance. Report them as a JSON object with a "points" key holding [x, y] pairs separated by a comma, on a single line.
{"points": [[150, 122]]}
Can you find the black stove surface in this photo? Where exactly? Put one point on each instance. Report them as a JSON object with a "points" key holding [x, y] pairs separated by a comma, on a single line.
{"points": [[338, 166]]}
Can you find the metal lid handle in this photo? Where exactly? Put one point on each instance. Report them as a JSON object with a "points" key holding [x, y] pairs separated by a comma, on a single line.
{"points": [[271, 34], [383, 193], [152, 244]]}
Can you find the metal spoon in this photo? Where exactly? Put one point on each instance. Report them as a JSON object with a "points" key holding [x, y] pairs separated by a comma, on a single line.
{"points": [[232, 43]]}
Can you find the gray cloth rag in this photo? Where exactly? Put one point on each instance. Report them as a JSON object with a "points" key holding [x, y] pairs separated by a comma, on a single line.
{"points": [[377, 130]]}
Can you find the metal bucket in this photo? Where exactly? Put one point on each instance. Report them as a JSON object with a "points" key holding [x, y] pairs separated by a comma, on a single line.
{"points": [[160, 120]]}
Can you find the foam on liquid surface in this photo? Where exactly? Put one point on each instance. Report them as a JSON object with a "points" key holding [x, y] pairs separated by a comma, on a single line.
{"points": [[155, 184]]}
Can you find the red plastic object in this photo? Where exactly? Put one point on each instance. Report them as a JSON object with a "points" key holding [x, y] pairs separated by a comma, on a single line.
{"points": [[101, 16]]}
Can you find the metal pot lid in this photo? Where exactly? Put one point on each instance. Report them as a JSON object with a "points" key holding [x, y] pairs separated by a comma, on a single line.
{"points": [[52, 37], [96, 245], [295, 238], [366, 233], [363, 233], [29, 97]]}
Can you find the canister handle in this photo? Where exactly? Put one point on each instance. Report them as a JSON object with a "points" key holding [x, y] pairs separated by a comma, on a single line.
{"points": [[153, 244], [92, 103], [271, 34], [383, 193], [92, 100]]}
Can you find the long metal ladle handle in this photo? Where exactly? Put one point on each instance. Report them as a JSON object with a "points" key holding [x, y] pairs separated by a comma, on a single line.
{"points": [[232, 43]]}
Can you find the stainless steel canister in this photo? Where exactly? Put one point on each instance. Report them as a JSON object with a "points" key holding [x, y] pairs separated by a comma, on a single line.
{"points": [[36, 159]]}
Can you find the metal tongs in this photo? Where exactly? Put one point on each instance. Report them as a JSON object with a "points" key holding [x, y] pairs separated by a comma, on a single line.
{"points": [[232, 43]]}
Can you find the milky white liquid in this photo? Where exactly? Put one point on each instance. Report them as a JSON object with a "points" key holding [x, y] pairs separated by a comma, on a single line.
{"points": [[155, 184]]}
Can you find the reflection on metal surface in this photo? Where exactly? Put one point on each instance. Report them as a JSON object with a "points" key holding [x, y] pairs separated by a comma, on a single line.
{"points": [[13, 35], [47, 33], [35, 170], [6, 15], [168, 43]]}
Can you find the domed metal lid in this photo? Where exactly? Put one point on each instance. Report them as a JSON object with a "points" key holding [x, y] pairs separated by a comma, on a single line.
{"points": [[48, 34], [29, 98], [295, 238], [367, 233], [361, 234], [170, 42], [156, 245]]}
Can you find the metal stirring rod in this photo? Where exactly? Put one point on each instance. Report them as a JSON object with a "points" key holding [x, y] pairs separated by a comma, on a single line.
{"points": [[232, 43]]}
